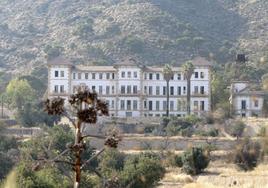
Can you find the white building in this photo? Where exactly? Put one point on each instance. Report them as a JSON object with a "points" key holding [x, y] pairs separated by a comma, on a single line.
{"points": [[246, 102], [133, 90]]}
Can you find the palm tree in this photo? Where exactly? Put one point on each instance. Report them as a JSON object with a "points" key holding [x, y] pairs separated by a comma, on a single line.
{"points": [[168, 74], [188, 69]]}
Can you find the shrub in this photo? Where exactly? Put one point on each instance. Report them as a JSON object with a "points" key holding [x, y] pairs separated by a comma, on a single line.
{"points": [[262, 132], [247, 155], [111, 161], [212, 132], [135, 44], [237, 129], [192, 119], [174, 160], [142, 171], [188, 132], [194, 161]]}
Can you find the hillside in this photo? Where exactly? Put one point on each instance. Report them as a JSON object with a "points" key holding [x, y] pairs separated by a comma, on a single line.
{"points": [[153, 31]]}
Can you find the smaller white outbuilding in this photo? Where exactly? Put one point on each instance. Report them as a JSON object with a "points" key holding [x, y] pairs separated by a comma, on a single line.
{"points": [[246, 102]]}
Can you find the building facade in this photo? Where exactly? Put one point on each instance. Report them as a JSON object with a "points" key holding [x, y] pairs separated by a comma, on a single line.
{"points": [[246, 102], [134, 90]]}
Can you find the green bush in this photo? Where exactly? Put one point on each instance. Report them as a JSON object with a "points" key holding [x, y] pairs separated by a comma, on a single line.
{"points": [[111, 162], [247, 155], [212, 132], [142, 171], [237, 128], [44, 178], [188, 132], [174, 160], [194, 161], [135, 44], [192, 119]]}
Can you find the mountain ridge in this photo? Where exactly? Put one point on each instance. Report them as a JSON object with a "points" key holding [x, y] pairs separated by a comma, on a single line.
{"points": [[151, 31]]}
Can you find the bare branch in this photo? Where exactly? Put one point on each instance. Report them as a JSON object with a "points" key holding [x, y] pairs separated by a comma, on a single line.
{"points": [[91, 158], [61, 154], [62, 161]]}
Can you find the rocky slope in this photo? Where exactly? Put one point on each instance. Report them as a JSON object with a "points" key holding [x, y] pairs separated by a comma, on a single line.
{"points": [[153, 31]]}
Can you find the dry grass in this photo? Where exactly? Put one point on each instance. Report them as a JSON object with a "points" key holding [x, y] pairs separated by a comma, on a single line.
{"points": [[176, 177], [201, 185], [218, 175]]}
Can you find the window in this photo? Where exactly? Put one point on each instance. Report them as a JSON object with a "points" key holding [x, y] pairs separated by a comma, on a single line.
{"points": [[202, 75], [158, 76], [112, 89], [195, 105], [122, 105], [112, 104], [62, 88], [171, 105], [56, 88], [202, 105], [135, 89], [135, 75], [74, 76], [123, 74], [128, 89], [179, 76], [195, 89], [113, 76], [179, 91], [164, 90], [171, 90], [79, 75], [256, 103], [86, 76], [145, 89], [179, 105], [100, 90], [128, 104], [144, 104], [150, 76], [196, 74], [61, 73], [202, 90], [172, 77], [107, 90], [157, 105], [164, 105], [184, 90], [74, 89], [108, 103], [94, 88], [56, 73], [107, 76], [243, 105], [93, 76], [183, 105], [150, 105], [145, 76], [123, 90], [150, 90], [135, 105], [100, 76], [157, 90], [129, 74]]}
